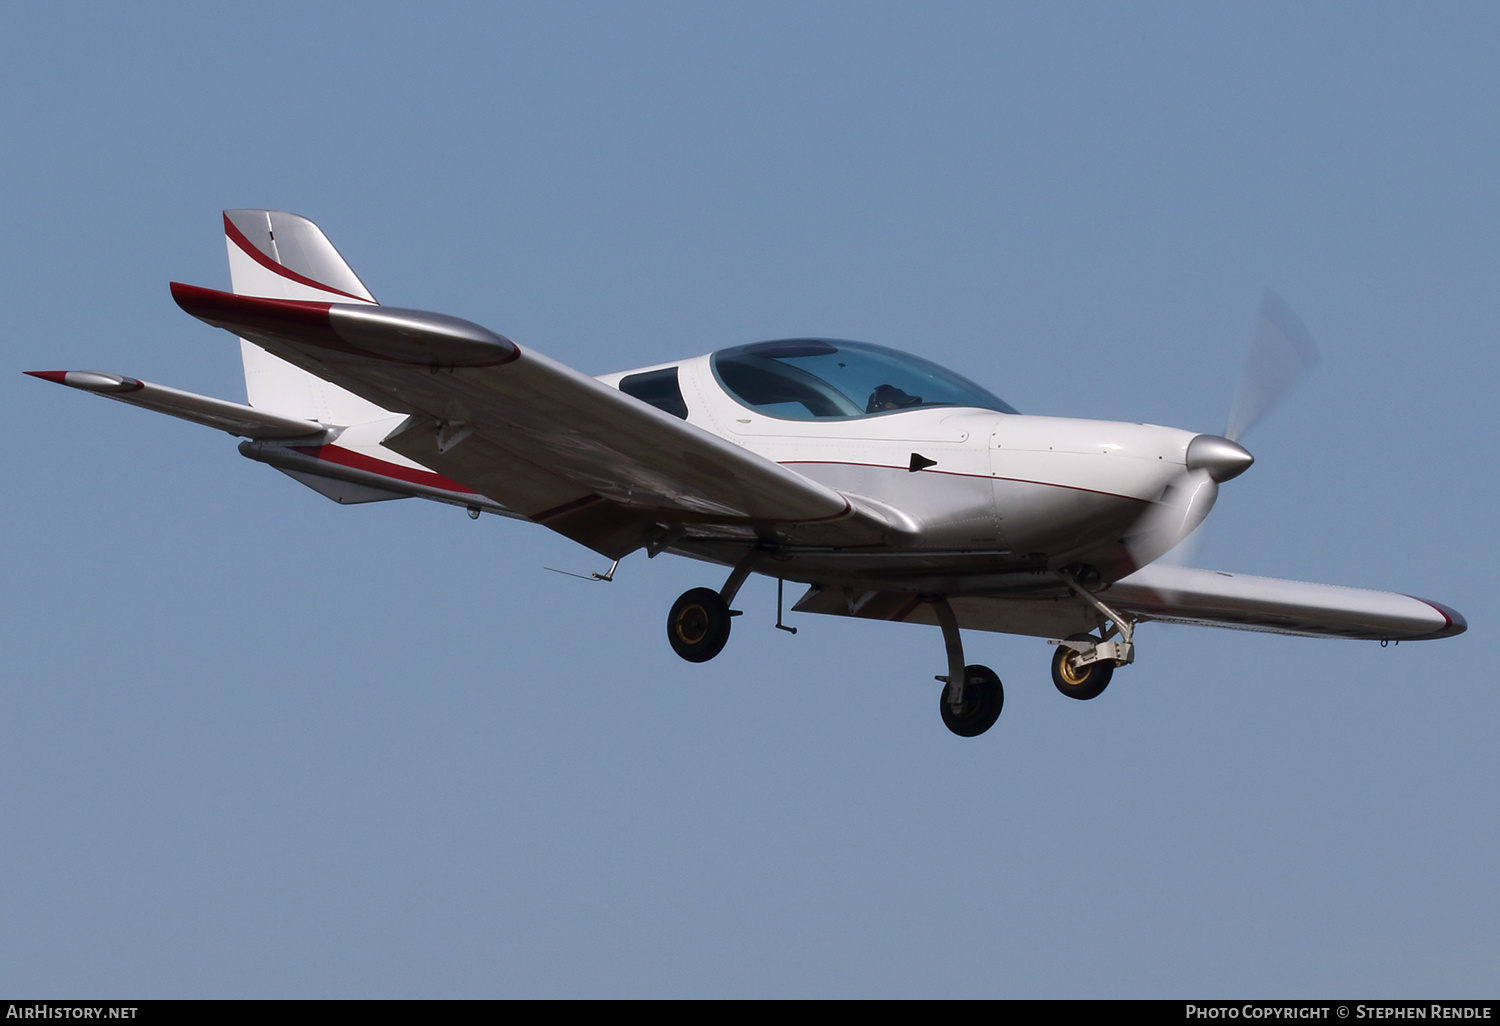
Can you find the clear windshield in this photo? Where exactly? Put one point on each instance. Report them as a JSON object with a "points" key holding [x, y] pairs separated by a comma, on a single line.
{"points": [[818, 379]]}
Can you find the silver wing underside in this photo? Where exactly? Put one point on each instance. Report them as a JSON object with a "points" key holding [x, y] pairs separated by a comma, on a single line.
{"points": [[1170, 594], [1214, 598]]}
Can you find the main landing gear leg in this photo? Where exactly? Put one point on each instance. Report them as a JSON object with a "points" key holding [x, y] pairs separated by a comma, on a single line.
{"points": [[971, 701], [1083, 664], [698, 624]]}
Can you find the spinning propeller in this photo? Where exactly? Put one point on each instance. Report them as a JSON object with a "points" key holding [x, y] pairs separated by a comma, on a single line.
{"points": [[1281, 354]]}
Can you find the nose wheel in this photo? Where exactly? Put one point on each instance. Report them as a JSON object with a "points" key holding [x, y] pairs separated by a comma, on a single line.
{"points": [[1083, 664], [1080, 682], [698, 625]]}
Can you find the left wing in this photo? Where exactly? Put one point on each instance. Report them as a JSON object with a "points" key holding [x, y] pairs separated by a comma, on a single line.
{"points": [[570, 452], [1173, 594], [1214, 598]]}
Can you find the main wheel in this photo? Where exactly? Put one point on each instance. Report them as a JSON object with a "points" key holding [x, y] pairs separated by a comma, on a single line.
{"points": [[698, 625], [984, 697], [1080, 682]]}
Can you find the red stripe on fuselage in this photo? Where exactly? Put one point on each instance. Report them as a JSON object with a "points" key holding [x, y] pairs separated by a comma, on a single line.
{"points": [[954, 473]]}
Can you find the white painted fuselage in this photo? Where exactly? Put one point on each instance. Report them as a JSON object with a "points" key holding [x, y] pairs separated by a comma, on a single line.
{"points": [[1003, 494]]}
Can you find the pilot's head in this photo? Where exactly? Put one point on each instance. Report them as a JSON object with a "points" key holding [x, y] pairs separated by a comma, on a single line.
{"points": [[889, 397]]}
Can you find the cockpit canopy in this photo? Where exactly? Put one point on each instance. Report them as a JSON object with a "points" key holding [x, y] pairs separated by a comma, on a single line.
{"points": [[825, 379]]}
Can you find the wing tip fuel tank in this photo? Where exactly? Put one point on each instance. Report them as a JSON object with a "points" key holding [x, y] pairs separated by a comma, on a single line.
{"points": [[90, 381], [413, 337]]}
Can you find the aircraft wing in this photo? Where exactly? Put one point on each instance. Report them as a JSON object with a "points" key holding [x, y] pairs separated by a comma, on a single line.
{"points": [[1173, 594], [236, 418], [1214, 598], [555, 445]]}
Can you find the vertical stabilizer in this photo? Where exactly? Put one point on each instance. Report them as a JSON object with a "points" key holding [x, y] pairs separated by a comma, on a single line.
{"points": [[276, 255]]}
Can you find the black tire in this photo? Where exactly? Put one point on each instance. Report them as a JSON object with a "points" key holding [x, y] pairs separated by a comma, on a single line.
{"points": [[984, 697], [1080, 682], [698, 625]]}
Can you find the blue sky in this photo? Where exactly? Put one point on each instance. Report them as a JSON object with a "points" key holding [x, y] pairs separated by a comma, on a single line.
{"points": [[256, 744]]}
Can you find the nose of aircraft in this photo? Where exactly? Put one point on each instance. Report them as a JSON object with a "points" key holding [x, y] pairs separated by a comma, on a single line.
{"points": [[1221, 458]]}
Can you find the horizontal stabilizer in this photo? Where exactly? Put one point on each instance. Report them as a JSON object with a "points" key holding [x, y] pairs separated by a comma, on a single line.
{"points": [[235, 418]]}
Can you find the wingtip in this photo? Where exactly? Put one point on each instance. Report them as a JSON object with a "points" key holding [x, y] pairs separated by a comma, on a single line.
{"points": [[90, 381], [1456, 624], [205, 304], [183, 292]]}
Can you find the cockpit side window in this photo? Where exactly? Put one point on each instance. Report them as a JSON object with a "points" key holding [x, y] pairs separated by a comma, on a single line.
{"points": [[781, 390], [659, 388]]}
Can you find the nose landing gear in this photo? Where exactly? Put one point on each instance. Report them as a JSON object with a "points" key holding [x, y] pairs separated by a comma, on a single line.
{"points": [[1083, 664], [1080, 681]]}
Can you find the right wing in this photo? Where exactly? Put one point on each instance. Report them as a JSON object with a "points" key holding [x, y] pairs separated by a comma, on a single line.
{"points": [[235, 418]]}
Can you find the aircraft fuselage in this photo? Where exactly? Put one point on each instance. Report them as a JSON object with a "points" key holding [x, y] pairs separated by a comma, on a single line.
{"points": [[996, 497]]}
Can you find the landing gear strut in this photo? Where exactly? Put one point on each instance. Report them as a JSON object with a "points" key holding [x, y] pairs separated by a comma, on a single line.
{"points": [[1083, 664], [973, 696], [698, 624]]}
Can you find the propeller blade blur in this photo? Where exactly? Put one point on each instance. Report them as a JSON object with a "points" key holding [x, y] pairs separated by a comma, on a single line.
{"points": [[1281, 353]]}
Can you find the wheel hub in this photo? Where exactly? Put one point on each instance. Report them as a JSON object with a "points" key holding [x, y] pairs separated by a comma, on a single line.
{"points": [[692, 624]]}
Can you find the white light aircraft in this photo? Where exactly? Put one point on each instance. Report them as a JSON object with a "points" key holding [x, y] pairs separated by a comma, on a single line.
{"points": [[892, 488]]}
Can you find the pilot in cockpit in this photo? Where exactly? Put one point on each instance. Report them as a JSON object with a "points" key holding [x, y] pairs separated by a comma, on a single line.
{"points": [[889, 397]]}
